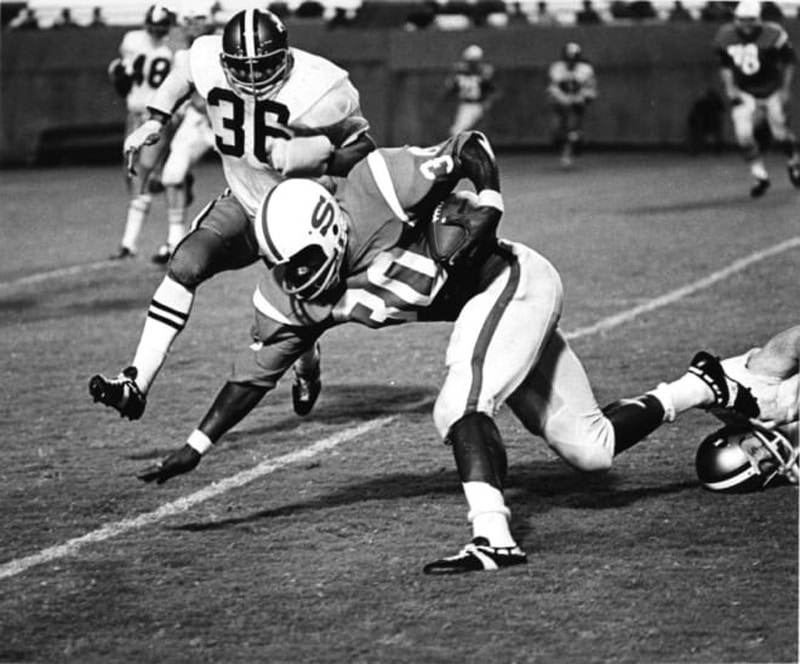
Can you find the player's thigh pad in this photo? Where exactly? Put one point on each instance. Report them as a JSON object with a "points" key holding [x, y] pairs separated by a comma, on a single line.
{"points": [[556, 401], [498, 336]]}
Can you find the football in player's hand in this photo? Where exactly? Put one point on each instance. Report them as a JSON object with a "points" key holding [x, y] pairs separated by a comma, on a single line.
{"points": [[448, 230]]}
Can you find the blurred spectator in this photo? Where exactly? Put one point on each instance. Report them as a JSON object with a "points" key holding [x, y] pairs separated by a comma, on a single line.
{"points": [[516, 16], [280, 9], [98, 21], [64, 20], [422, 17], [340, 19], [704, 125], [25, 20], [310, 9], [214, 11], [679, 13], [588, 15], [640, 10], [770, 11], [544, 16], [716, 12]]}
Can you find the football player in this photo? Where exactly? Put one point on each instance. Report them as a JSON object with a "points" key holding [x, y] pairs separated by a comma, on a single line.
{"points": [[392, 247], [472, 83], [192, 140], [145, 61], [572, 87], [757, 395], [756, 66], [276, 112]]}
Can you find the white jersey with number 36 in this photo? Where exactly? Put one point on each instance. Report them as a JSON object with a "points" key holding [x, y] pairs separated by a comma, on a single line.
{"points": [[317, 97]]}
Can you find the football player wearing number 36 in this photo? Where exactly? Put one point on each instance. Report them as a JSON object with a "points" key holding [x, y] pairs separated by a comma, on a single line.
{"points": [[395, 246], [276, 112]]}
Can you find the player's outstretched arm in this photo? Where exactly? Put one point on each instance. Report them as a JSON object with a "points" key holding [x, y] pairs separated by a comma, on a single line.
{"points": [[233, 402]]}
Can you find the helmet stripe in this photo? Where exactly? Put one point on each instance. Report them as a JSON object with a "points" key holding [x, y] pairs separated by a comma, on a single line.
{"points": [[265, 242], [249, 32]]}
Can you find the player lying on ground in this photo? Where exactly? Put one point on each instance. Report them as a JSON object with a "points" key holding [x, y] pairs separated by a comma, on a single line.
{"points": [[395, 246], [276, 112], [760, 440]]}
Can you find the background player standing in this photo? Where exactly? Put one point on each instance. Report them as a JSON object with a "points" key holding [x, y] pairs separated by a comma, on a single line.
{"points": [[572, 87], [757, 66], [145, 61], [472, 83], [276, 112], [192, 140]]}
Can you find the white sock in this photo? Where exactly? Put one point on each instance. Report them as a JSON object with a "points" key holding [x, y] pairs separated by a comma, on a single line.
{"points": [[169, 310], [683, 394], [758, 170], [488, 513], [138, 208], [176, 226]]}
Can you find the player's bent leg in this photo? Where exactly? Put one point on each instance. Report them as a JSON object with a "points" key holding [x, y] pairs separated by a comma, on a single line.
{"points": [[556, 401]]}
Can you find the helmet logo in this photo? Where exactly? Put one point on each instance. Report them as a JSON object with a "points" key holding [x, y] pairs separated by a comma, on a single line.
{"points": [[323, 216]]}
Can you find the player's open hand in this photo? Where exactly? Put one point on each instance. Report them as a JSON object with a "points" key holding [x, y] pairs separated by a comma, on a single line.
{"points": [[147, 134], [176, 463]]}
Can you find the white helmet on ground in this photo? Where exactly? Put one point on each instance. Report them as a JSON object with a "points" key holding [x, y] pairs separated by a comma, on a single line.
{"points": [[302, 235]]}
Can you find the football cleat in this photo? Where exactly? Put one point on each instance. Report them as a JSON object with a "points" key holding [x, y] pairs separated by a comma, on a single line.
{"points": [[162, 256], [728, 393], [759, 188], [304, 393], [478, 556], [794, 173], [120, 393], [123, 253]]}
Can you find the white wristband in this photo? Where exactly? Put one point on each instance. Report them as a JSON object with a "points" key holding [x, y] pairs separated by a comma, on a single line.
{"points": [[199, 441], [491, 198]]}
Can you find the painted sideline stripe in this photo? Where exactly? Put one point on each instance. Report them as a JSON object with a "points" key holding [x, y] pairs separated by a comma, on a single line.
{"points": [[628, 315], [267, 466], [183, 504], [56, 274]]}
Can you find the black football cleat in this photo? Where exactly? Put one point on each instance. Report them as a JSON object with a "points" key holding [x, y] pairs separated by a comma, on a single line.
{"points": [[304, 393], [794, 173], [120, 393], [162, 255], [123, 253], [478, 556], [759, 188], [728, 393]]}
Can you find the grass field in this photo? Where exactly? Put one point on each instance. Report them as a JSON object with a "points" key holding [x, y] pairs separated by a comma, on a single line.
{"points": [[302, 540]]}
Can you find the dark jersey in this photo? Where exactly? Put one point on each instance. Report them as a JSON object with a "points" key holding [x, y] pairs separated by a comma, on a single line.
{"points": [[472, 81], [758, 60]]}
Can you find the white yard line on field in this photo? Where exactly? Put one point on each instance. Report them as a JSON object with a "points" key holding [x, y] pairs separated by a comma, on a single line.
{"points": [[59, 273], [19, 565]]}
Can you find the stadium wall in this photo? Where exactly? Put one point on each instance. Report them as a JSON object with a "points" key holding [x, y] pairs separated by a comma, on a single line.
{"points": [[56, 100]]}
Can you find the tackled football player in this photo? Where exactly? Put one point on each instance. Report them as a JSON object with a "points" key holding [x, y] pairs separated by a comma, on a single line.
{"points": [[395, 246], [276, 112]]}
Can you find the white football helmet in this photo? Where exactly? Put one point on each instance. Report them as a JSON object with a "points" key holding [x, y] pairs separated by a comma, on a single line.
{"points": [[738, 459], [302, 235]]}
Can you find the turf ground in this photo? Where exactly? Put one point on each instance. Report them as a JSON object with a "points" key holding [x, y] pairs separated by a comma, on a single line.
{"points": [[302, 540]]}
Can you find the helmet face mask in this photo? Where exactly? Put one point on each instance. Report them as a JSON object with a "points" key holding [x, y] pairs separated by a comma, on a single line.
{"points": [[739, 459], [255, 52], [302, 235]]}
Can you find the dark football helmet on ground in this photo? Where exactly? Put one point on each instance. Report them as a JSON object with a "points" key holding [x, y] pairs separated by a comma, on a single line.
{"points": [[739, 459], [255, 52]]}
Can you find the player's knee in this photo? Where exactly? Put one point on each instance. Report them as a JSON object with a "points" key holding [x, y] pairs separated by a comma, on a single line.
{"points": [[446, 412], [589, 447], [192, 262], [173, 176]]}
